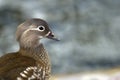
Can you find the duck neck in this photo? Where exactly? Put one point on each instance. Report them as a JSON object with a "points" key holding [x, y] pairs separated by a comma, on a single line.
{"points": [[38, 53]]}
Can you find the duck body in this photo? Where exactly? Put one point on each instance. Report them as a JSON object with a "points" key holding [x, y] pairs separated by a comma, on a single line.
{"points": [[14, 66], [31, 62]]}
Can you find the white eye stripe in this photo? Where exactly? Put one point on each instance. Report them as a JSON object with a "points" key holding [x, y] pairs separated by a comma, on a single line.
{"points": [[34, 29], [39, 28]]}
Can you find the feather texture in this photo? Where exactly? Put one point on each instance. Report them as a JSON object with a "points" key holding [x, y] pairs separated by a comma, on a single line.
{"points": [[31, 62]]}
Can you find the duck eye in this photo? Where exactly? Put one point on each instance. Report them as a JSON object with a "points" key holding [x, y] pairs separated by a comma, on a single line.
{"points": [[41, 28]]}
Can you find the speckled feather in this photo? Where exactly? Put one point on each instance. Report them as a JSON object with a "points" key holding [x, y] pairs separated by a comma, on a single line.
{"points": [[31, 62]]}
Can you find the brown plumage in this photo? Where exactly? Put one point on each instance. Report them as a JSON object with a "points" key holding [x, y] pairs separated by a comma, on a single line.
{"points": [[31, 62]]}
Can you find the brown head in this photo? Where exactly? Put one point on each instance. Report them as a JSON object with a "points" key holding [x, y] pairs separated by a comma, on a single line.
{"points": [[31, 31]]}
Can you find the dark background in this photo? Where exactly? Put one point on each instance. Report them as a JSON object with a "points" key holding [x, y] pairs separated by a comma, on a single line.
{"points": [[89, 31]]}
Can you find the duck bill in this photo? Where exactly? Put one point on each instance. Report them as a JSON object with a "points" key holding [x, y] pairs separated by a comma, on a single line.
{"points": [[50, 35]]}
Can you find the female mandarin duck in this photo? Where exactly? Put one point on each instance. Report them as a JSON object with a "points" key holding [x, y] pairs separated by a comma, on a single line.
{"points": [[31, 62]]}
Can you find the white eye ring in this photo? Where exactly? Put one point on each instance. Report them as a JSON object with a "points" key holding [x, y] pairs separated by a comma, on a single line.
{"points": [[41, 28]]}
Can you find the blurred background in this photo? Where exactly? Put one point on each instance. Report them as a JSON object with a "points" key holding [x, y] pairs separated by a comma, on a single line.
{"points": [[89, 31]]}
